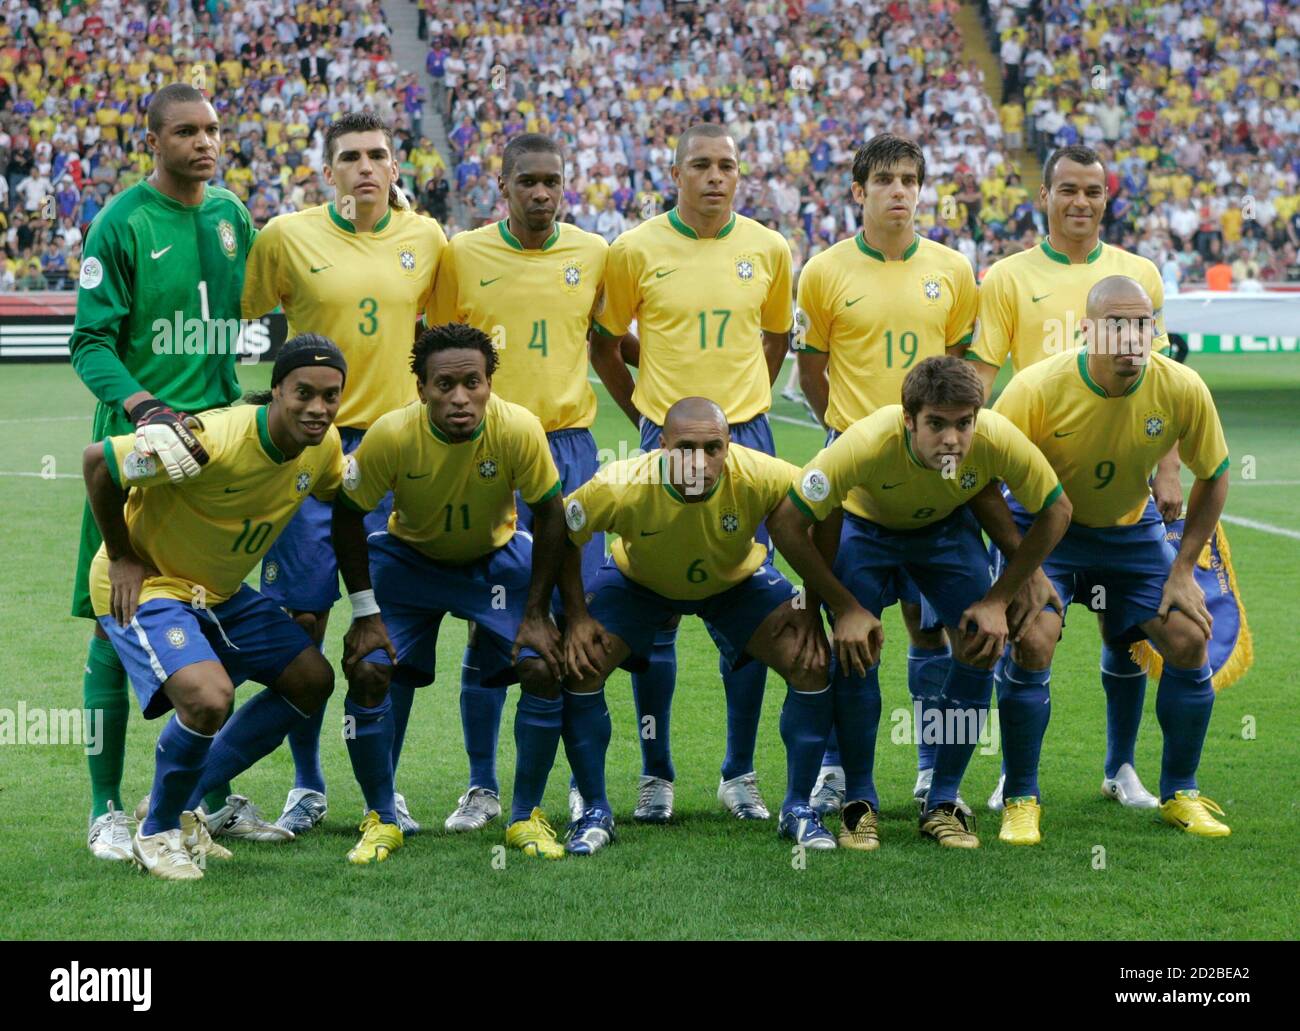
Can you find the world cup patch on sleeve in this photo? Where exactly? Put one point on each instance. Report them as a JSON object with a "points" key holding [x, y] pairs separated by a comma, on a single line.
{"points": [[815, 486], [575, 516], [351, 473], [139, 467]]}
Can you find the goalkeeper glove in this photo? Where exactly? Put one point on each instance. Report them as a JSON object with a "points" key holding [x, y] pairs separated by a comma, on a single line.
{"points": [[161, 431]]}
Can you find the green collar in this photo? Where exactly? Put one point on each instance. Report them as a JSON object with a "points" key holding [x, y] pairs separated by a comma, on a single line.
{"points": [[1096, 388], [348, 227], [907, 443], [440, 436], [675, 220], [171, 202], [264, 436], [674, 493], [1056, 255], [514, 242], [871, 252]]}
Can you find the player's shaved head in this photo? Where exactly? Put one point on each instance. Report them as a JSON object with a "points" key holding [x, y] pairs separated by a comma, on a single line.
{"points": [[700, 131], [694, 410], [528, 143], [168, 97], [695, 440], [1119, 329], [1116, 294]]}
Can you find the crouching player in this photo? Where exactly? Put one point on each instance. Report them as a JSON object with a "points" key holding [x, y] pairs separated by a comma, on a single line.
{"points": [[1105, 416], [686, 515], [453, 464], [167, 587], [904, 475]]}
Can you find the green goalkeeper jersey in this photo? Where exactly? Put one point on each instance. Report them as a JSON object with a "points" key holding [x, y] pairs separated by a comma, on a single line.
{"points": [[158, 304]]}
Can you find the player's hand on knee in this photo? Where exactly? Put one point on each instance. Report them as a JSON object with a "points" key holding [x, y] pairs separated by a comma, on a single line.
{"points": [[586, 644], [165, 433], [858, 640], [366, 635], [126, 577], [1183, 593], [812, 652], [538, 631], [983, 627], [1036, 594]]}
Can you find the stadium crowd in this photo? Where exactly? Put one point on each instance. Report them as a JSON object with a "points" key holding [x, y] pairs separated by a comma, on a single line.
{"points": [[1196, 107]]}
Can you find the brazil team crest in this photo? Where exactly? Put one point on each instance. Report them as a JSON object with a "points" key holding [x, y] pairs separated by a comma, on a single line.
{"points": [[226, 234], [302, 483], [968, 479], [931, 288], [487, 469], [571, 275], [406, 261], [1153, 425], [270, 572], [730, 521], [176, 637], [745, 267]]}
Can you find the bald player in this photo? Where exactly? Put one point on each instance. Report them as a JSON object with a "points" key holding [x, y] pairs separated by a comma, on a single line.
{"points": [[359, 270], [1104, 416], [870, 308], [1031, 307], [710, 292], [531, 284], [685, 516]]}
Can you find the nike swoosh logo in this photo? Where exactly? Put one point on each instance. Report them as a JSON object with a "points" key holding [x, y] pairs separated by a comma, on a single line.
{"points": [[650, 533], [660, 275], [891, 486], [487, 282], [412, 476], [850, 304], [158, 254], [1035, 300], [233, 490], [1058, 433], [322, 357], [320, 268]]}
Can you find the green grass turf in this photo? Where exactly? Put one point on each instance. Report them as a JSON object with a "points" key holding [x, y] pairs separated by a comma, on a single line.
{"points": [[706, 875]]}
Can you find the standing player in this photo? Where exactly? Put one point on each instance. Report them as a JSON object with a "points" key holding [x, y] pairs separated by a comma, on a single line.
{"points": [[872, 307], [904, 475], [453, 464], [686, 515], [530, 283], [1031, 307], [171, 248], [1104, 416], [710, 292], [167, 587], [360, 271]]}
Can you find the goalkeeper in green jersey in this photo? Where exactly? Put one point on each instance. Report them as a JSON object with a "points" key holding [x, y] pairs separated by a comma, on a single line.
{"points": [[155, 338]]}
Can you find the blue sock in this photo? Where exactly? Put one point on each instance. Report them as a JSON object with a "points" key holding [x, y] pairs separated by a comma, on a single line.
{"points": [[401, 697], [1126, 690], [1024, 708], [832, 754], [1184, 701], [927, 669], [178, 764], [538, 722], [744, 688], [806, 719], [254, 731], [652, 690], [965, 707], [304, 743], [370, 747], [857, 718], [480, 720], [586, 740]]}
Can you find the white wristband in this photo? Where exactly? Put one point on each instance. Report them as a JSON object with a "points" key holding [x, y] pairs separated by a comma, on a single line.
{"points": [[363, 604]]}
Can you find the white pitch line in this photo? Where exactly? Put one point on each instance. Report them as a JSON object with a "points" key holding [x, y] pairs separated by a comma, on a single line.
{"points": [[1254, 524], [50, 418], [42, 476]]}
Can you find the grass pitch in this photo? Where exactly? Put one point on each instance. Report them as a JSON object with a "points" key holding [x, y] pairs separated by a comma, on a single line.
{"points": [[1102, 872]]}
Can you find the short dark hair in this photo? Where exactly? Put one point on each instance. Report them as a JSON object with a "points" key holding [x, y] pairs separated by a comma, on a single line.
{"points": [[1077, 153], [454, 336], [162, 101], [357, 121], [528, 143], [885, 151], [704, 130], [943, 381]]}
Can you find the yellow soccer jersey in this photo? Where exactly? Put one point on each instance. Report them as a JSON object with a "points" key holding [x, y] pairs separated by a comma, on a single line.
{"points": [[536, 305], [453, 502], [872, 472], [678, 548], [365, 291], [1105, 448], [210, 532], [700, 308], [1031, 303], [878, 318]]}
